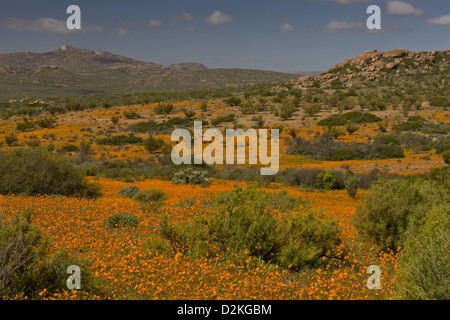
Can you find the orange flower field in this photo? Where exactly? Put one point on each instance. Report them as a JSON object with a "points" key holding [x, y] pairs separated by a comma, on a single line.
{"points": [[125, 266]]}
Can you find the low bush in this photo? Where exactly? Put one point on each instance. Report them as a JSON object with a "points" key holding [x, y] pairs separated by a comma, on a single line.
{"points": [[28, 268], [327, 180], [242, 224], [192, 176], [150, 195], [424, 273], [394, 206], [120, 140], [34, 171]]}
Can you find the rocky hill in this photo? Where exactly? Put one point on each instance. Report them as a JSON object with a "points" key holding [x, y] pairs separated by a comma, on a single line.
{"points": [[72, 71], [376, 66]]}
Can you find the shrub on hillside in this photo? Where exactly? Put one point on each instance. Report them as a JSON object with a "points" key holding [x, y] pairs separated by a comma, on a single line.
{"points": [[242, 224], [34, 171], [327, 180], [192, 176], [150, 195], [394, 206], [27, 268], [425, 259]]}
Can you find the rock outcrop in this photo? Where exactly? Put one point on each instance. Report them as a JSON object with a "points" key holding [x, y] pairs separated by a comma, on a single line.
{"points": [[373, 65]]}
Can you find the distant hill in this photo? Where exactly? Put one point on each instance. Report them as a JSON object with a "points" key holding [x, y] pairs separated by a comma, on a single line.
{"points": [[72, 71]]}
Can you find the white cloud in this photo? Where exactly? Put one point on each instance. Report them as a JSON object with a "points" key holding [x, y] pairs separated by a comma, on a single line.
{"points": [[46, 25], [39, 25], [403, 8], [154, 23], [339, 26], [218, 17], [184, 17], [443, 20], [286, 28], [121, 31]]}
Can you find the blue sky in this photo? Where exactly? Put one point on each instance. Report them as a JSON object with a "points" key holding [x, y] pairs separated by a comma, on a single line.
{"points": [[280, 35]]}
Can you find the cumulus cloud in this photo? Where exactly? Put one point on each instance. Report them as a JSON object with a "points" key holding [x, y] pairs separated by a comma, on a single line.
{"points": [[402, 8], [339, 26], [218, 17], [49, 25], [39, 25], [155, 23], [442, 20], [121, 31], [286, 28], [184, 17]]}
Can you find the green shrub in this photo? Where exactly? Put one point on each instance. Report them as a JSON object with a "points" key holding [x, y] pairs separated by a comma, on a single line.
{"points": [[69, 148], [242, 223], [122, 220], [233, 101], [129, 191], [394, 206], [387, 151], [192, 176], [327, 180], [425, 259], [150, 195], [120, 140], [439, 102], [26, 125], [27, 267], [131, 115], [163, 108], [310, 242], [221, 119], [34, 171], [343, 154], [11, 139], [152, 144], [351, 185], [386, 139], [446, 157]]}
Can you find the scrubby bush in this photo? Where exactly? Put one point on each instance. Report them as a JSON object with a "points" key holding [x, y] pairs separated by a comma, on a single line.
{"points": [[34, 171], [150, 195], [242, 224], [446, 157], [343, 154], [351, 184], [163, 108], [11, 139], [131, 114], [122, 220], [25, 125], [152, 144], [120, 140], [192, 176], [69, 148], [327, 180], [27, 267], [425, 259], [233, 101], [394, 206]]}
